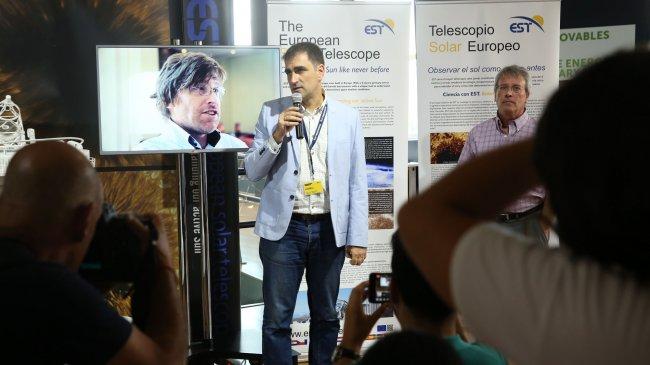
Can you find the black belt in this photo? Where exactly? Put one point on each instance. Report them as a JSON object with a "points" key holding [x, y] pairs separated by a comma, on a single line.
{"points": [[507, 217], [310, 217]]}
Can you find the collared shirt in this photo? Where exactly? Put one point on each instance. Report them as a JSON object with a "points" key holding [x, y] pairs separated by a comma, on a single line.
{"points": [[487, 136], [316, 203], [173, 137]]}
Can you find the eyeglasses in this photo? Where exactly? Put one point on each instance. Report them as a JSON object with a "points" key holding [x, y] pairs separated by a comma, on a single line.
{"points": [[205, 90], [516, 89]]}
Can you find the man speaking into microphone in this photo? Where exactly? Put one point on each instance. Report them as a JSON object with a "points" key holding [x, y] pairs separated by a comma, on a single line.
{"points": [[314, 207]]}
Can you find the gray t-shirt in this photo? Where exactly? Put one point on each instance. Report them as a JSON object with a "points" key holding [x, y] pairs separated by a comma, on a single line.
{"points": [[542, 306]]}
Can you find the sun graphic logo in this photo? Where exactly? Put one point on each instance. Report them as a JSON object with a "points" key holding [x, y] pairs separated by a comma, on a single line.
{"points": [[378, 26], [524, 24]]}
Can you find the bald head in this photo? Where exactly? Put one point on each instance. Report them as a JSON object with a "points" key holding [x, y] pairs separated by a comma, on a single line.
{"points": [[45, 182]]}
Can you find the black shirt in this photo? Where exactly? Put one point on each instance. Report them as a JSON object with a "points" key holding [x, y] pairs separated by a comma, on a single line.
{"points": [[49, 315]]}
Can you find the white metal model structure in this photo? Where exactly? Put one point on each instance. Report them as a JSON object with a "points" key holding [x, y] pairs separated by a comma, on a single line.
{"points": [[13, 136]]}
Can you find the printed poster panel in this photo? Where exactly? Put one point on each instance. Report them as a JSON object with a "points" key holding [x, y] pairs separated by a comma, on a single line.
{"points": [[461, 46], [580, 47], [365, 45]]}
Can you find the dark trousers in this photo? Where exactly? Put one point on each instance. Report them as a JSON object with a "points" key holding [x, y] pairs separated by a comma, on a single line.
{"points": [[309, 246], [529, 226]]}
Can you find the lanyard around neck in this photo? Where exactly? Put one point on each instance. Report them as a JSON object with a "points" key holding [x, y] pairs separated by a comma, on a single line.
{"points": [[313, 142]]}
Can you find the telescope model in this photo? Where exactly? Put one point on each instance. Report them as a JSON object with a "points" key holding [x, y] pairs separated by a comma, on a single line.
{"points": [[13, 136]]}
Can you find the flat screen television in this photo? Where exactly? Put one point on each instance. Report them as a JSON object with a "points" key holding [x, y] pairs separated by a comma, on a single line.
{"points": [[133, 120]]}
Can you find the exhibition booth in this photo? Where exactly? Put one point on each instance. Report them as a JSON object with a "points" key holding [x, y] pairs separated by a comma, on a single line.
{"points": [[420, 74]]}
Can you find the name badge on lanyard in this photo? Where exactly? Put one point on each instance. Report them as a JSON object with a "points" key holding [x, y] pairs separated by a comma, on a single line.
{"points": [[314, 186]]}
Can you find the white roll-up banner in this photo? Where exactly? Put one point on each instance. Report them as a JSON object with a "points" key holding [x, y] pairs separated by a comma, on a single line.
{"points": [[365, 45], [461, 46]]}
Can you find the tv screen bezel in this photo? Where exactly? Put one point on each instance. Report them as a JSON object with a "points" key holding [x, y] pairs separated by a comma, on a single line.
{"points": [[104, 152]]}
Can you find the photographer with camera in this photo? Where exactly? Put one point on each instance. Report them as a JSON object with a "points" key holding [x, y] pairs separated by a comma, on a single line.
{"points": [[49, 207], [418, 308]]}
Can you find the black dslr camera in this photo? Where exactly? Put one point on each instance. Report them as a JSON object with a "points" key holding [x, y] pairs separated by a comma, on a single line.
{"points": [[116, 254], [118, 260]]}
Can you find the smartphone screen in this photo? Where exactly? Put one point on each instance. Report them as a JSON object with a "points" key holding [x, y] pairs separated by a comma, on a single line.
{"points": [[379, 287]]}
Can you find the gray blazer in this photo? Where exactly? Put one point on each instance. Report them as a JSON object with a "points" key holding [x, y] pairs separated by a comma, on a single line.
{"points": [[346, 164]]}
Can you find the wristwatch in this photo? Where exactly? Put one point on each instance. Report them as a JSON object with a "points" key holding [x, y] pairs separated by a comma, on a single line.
{"points": [[341, 352]]}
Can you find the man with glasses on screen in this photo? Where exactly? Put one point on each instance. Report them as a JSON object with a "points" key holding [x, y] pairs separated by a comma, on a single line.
{"points": [[188, 93], [511, 124], [314, 207]]}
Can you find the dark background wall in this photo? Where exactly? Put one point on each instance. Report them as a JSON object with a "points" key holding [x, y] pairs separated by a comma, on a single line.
{"points": [[594, 13], [47, 65], [47, 57]]}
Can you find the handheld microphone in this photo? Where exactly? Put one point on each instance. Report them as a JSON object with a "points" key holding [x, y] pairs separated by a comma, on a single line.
{"points": [[296, 98]]}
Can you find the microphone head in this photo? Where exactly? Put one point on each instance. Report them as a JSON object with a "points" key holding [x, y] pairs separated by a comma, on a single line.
{"points": [[296, 98]]}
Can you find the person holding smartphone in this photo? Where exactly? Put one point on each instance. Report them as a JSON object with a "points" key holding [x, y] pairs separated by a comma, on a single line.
{"points": [[417, 307]]}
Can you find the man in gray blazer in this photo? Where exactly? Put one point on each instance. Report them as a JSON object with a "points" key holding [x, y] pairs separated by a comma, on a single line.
{"points": [[314, 206]]}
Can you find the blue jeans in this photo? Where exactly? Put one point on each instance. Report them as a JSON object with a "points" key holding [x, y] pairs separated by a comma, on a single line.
{"points": [[310, 246]]}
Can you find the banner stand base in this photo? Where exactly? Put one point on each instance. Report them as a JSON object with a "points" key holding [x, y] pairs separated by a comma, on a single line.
{"points": [[247, 346]]}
